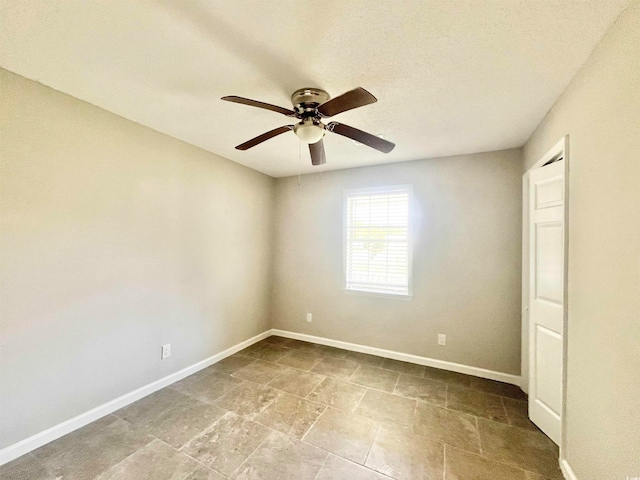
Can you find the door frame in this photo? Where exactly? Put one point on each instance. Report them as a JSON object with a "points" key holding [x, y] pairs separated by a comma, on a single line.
{"points": [[560, 149]]}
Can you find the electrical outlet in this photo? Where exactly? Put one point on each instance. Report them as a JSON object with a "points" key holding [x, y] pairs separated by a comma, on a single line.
{"points": [[442, 339], [309, 318], [166, 351]]}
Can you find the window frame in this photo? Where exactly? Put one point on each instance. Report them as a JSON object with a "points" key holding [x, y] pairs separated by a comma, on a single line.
{"points": [[382, 189]]}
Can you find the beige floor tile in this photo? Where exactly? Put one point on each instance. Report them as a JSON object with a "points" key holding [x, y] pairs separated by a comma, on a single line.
{"points": [[275, 340], [301, 359], [463, 465], [338, 394], [148, 408], [248, 399], [337, 468], [535, 476], [204, 473], [182, 423], [332, 351], [365, 359], [297, 382], [282, 458], [227, 444], [86, 454], [300, 345], [404, 456], [269, 352], [157, 461], [251, 348], [230, 364], [374, 377], [387, 408], [194, 414], [452, 378], [447, 426], [518, 413], [497, 388], [475, 402], [422, 389], [345, 434], [259, 372], [335, 367], [262, 343], [207, 388], [89, 431], [290, 415], [27, 467], [532, 451], [403, 367]]}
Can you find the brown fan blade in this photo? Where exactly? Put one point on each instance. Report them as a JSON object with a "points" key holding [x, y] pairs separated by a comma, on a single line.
{"points": [[358, 97], [255, 103], [359, 136], [265, 136], [317, 153]]}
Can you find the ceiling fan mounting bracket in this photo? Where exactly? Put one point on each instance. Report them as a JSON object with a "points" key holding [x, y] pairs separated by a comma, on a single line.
{"points": [[306, 100]]}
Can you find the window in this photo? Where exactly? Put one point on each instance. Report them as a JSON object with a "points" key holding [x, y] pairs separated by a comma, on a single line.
{"points": [[378, 240]]}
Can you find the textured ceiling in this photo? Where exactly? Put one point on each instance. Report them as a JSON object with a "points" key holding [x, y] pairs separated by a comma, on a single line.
{"points": [[451, 76]]}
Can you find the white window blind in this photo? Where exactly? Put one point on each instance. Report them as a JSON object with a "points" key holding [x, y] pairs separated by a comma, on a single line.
{"points": [[377, 240]]}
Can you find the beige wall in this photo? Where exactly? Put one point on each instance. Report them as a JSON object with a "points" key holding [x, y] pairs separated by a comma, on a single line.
{"points": [[466, 270], [115, 239], [600, 111]]}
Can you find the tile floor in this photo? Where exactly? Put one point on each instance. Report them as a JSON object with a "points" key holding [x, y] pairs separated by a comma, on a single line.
{"points": [[285, 409]]}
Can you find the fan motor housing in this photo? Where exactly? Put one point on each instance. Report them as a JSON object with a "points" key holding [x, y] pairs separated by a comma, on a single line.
{"points": [[306, 100]]}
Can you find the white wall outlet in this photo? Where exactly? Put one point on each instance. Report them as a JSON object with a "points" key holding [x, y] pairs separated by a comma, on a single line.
{"points": [[166, 351], [442, 339], [309, 318]]}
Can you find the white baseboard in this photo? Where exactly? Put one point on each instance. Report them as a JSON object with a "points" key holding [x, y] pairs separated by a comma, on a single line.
{"points": [[566, 470], [35, 441], [405, 357]]}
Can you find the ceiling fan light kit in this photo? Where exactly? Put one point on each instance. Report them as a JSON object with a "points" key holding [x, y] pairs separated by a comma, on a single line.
{"points": [[310, 106], [308, 131]]}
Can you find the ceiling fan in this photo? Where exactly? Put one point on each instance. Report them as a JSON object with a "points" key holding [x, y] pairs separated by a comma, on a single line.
{"points": [[311, 105]]}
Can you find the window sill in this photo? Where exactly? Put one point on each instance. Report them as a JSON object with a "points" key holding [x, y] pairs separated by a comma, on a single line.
{"points": [[367, 293]]}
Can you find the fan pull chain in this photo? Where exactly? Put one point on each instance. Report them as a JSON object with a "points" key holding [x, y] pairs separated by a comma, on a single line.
{"points": [[299, 162]]}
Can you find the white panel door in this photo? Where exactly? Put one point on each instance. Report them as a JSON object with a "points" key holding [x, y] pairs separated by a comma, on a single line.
{"points": [[546, 296]]}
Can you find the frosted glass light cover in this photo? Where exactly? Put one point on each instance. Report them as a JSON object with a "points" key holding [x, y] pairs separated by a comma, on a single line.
{"points": [[308, 132]]}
